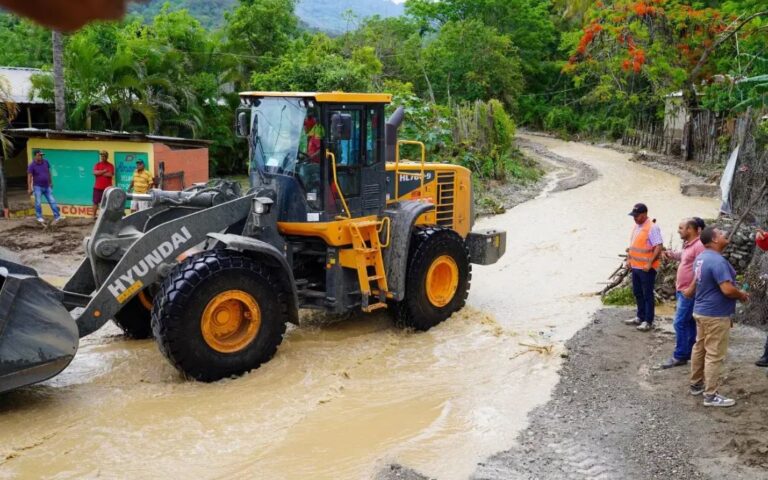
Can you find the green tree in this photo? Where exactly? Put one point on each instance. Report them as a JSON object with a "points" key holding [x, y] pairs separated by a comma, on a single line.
{"points": [[24, 44], [257, 33], [527, 23], [470, 61], [316, 63], [392, 42]]}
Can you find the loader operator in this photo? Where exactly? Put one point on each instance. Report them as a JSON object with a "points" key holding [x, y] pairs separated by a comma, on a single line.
{"points": [[313, 139], [643, 259]]}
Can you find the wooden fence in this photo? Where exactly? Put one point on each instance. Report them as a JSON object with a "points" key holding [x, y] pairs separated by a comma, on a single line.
{"points": [[712, 136]]}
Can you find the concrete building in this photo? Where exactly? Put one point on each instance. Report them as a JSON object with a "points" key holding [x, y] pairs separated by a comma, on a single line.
{"points": [[175, 162]]}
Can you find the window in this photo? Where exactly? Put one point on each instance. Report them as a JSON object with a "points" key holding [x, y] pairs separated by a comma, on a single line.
{"points": [[372, 126], [348, 153]]}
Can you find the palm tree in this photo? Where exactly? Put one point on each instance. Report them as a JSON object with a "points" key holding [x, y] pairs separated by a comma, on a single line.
{"points": [[8, 110], [58, 80]]}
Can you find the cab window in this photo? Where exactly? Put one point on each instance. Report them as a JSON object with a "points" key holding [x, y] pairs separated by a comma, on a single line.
{"points": [[348, 152], [372, 136]]}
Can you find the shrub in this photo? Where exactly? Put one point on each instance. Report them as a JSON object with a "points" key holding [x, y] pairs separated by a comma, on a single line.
{"points": [[619, 297]]}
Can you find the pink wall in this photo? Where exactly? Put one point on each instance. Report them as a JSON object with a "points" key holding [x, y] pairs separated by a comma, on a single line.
{"points": [[193, 162]]}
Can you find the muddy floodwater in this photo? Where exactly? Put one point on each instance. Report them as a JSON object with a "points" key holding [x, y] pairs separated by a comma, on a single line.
{"points": [[342, 400]]}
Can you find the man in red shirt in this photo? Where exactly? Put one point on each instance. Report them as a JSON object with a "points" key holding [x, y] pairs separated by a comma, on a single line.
{"points": [[761, 239], [104, 173]]}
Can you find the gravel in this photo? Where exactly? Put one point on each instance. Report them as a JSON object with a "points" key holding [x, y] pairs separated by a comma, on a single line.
{"points": [[614, 416]]}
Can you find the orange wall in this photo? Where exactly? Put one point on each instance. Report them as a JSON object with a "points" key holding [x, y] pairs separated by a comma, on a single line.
{"points": [[193, 162]]}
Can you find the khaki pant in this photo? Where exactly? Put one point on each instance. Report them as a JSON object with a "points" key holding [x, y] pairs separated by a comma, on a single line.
{"points": [[137, 205], [712, 335]]}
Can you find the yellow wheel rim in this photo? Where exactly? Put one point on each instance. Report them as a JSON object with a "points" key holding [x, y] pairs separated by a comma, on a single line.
{"points": [[442, 281], [231, 321], [145, 299]]}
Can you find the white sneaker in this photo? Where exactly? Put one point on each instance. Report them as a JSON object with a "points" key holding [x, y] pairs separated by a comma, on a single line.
{"points": [[40, 220], [718, 400], [57, 220], [632, 321], [644, 327]]}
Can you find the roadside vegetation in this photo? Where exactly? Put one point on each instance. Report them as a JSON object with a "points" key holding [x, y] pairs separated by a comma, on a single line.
{"points": [[619, 296], [469, 72]]}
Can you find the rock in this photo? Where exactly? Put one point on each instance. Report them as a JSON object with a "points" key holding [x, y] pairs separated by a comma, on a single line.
{"points": [[700, 190]]}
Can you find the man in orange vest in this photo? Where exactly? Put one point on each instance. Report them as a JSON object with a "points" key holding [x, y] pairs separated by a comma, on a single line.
{"points": [[643, 259]]}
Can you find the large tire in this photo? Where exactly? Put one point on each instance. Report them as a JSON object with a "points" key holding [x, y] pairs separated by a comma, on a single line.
{"points": [[435, 254], [135, 319], [192, 317]]}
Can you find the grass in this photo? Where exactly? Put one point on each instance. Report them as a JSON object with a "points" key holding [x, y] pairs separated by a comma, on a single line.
{"points": [[622, 297], [619, 297], [521, 168]]}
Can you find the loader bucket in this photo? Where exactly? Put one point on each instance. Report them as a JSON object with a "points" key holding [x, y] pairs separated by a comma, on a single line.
{"points": [[38, 336]]}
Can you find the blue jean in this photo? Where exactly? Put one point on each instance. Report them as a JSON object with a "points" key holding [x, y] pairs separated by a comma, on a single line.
{"points": [[642, 287], [685, 328], [48, 194]]}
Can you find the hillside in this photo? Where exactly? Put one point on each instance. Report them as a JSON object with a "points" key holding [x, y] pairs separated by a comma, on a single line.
{"points": [[325, 15], [328, 15], [210, 13]]}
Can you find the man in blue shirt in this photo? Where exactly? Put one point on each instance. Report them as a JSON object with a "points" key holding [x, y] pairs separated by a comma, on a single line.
{"points": [[40, 183], [714, 306]]}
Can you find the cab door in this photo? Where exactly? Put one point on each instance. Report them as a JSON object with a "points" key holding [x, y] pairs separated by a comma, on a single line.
{"points": [[355, 137]]}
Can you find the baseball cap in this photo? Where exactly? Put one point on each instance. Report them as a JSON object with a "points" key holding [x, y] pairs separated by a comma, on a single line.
{"points": [[139, 161], [36, 151], [638, 209]]}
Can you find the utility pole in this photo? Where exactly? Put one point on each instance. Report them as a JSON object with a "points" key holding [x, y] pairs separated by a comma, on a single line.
{"points": [[58, 80]]}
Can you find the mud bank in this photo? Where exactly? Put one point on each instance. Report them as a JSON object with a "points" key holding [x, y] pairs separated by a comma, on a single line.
{"points": [[54, 251], [696, 179], [568, 173], [614, 416]]}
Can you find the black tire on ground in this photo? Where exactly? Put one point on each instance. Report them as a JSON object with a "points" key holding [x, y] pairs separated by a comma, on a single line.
{"points": [[183, 298], [428, 244], [135, 320]]}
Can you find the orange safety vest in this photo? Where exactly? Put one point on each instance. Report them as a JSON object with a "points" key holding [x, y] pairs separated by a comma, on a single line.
{"points": [[638, 252]]}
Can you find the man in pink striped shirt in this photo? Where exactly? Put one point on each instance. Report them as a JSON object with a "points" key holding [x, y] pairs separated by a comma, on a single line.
{"points": [[685, 326]]}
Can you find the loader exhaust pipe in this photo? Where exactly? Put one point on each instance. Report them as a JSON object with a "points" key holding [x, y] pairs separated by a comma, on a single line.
{"points": [[390, 133]]}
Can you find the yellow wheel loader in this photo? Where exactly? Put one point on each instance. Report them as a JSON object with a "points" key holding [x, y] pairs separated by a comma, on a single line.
{"points": [[334, 220]]}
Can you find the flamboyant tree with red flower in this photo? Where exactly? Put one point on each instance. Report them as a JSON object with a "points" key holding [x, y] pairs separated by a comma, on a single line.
{"points": [[639, 50]]}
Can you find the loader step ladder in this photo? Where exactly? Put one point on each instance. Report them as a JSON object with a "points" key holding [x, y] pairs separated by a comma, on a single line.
{"points": [[370, 262]]}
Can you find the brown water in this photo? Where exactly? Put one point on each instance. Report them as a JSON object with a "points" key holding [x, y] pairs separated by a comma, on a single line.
{"points": [[343, 400]]}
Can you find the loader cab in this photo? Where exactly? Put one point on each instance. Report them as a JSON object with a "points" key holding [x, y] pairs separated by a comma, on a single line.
{"points": [[322, 154]]}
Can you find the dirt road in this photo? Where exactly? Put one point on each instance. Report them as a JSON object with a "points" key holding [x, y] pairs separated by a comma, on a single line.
{"points": [[345, 400]]}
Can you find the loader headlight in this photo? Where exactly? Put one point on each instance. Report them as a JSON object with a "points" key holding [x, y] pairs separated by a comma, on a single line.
{"points": [[261, 205]]}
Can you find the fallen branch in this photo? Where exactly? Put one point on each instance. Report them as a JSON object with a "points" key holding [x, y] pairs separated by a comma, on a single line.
{"points": [[540, 349], [618, 277]]}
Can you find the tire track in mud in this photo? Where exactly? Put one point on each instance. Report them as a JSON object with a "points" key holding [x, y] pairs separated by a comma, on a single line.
{"points": [[566, 458]]}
